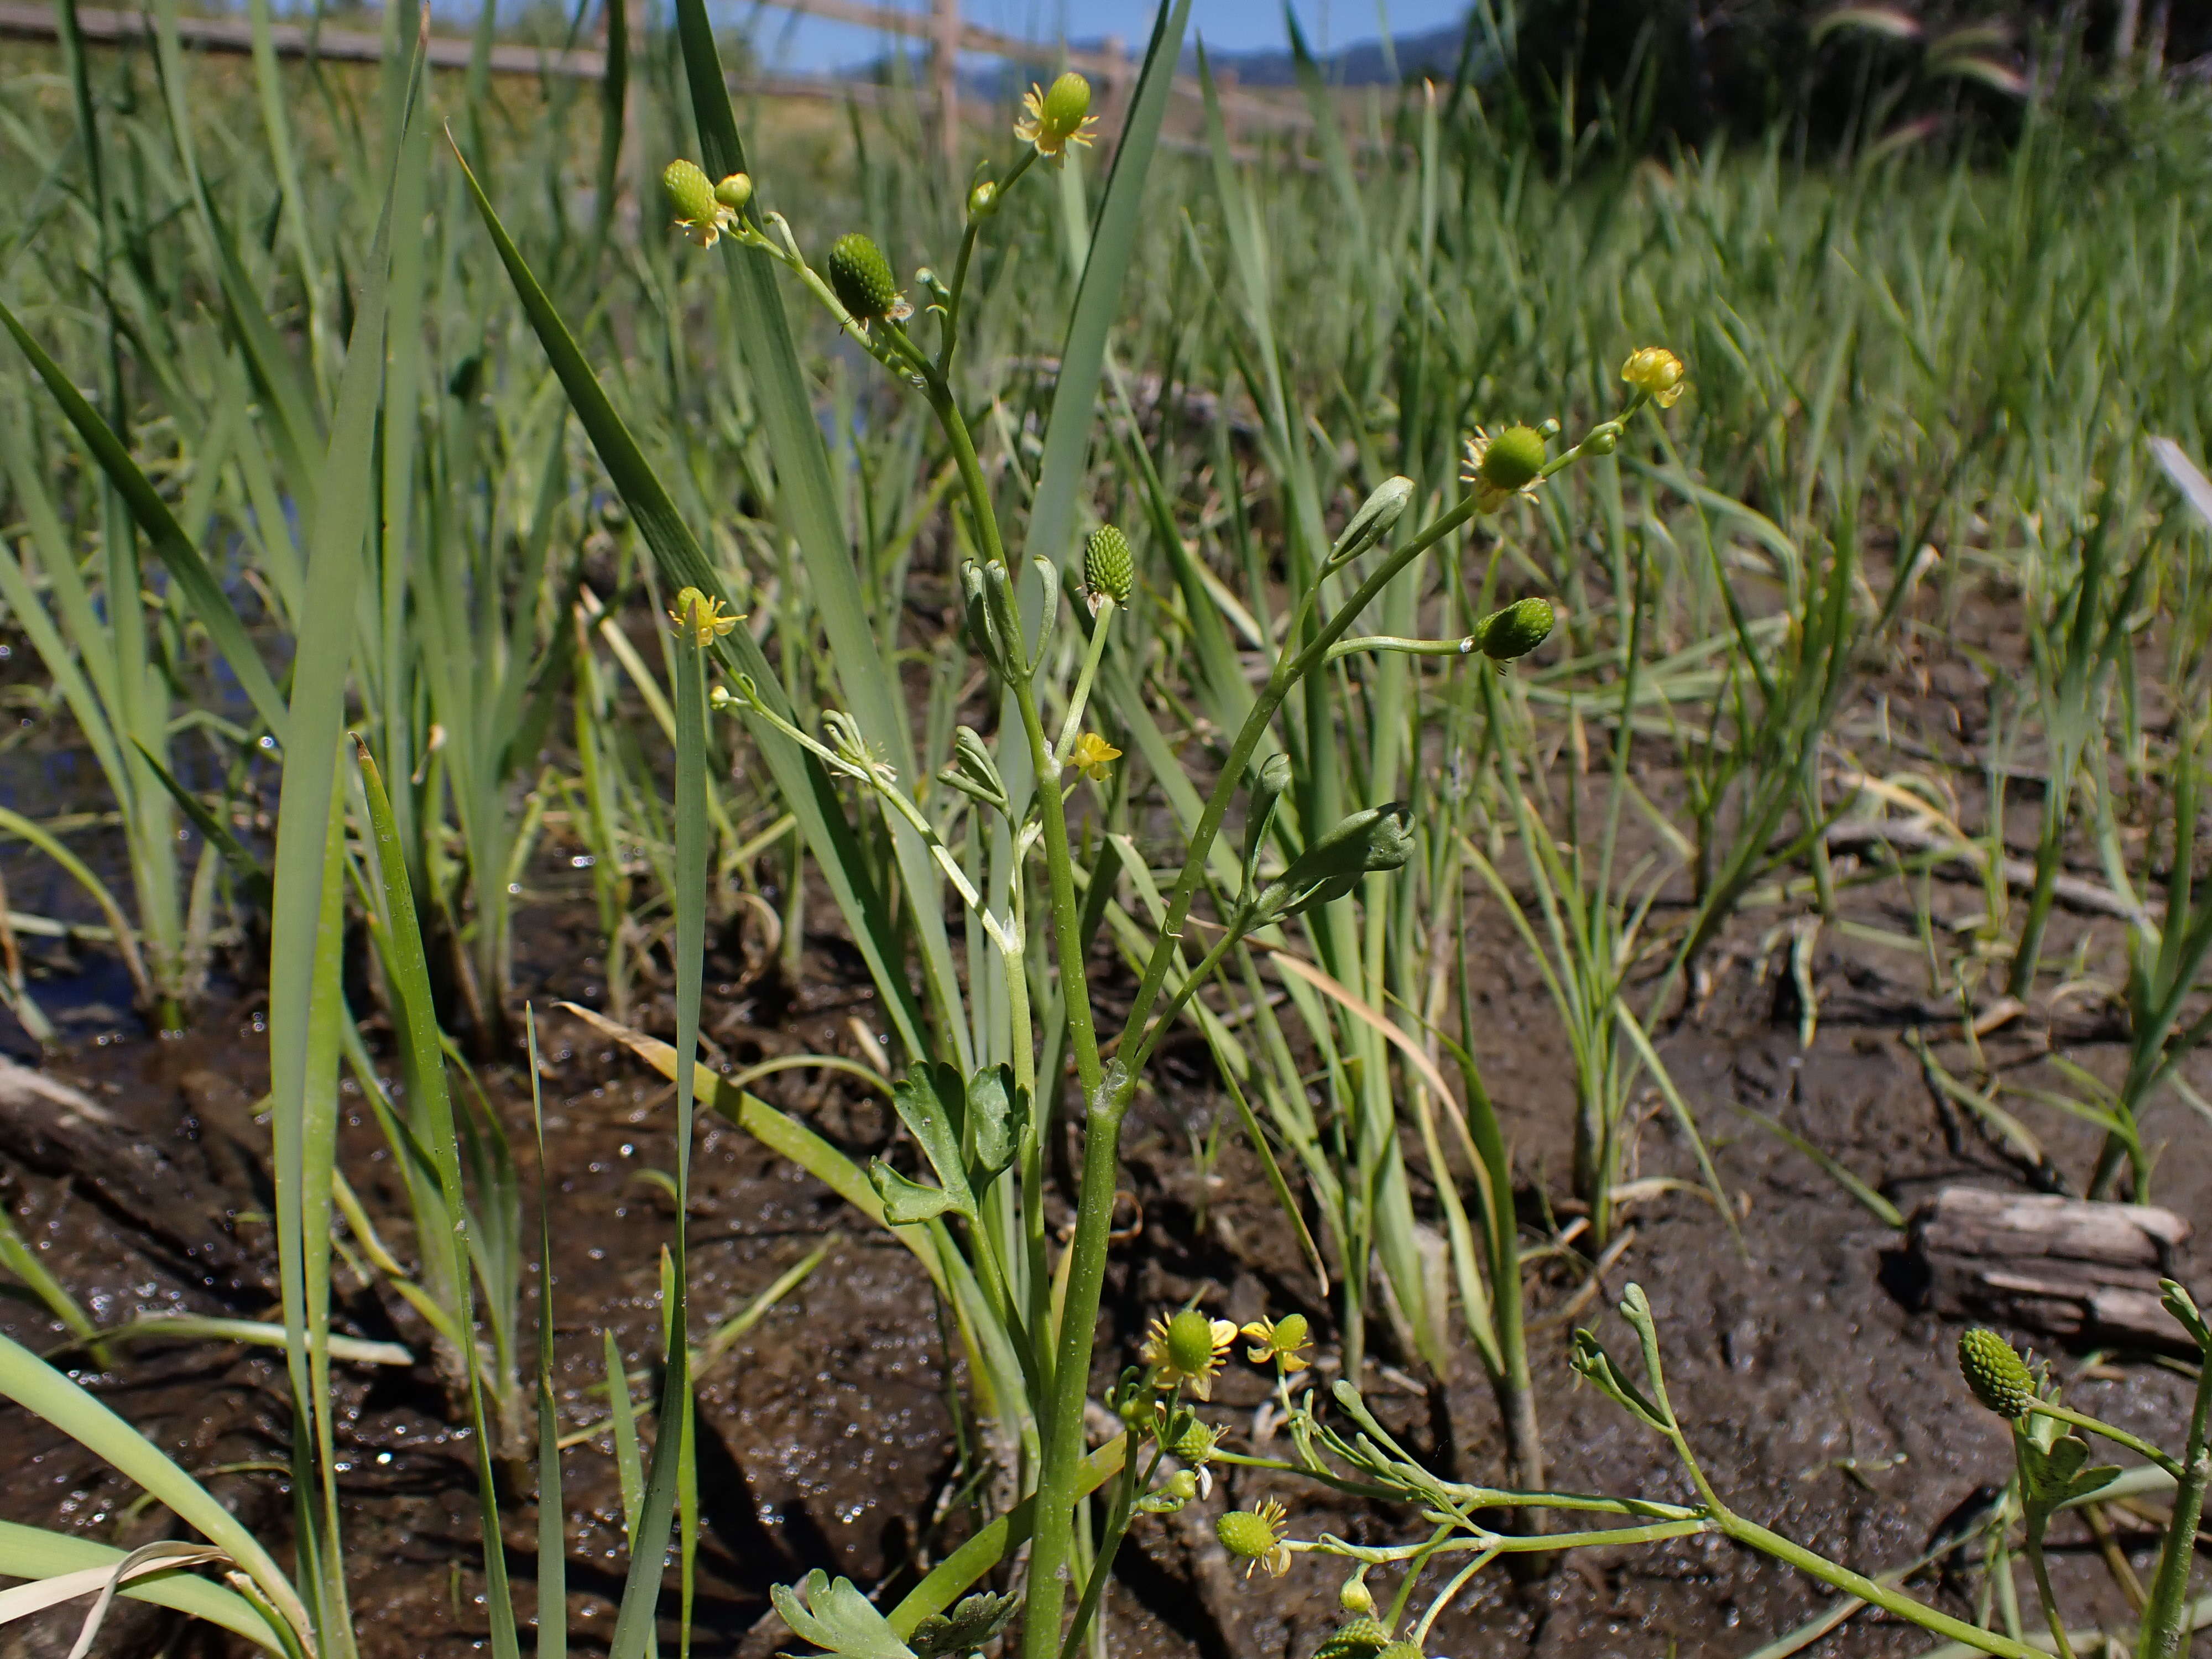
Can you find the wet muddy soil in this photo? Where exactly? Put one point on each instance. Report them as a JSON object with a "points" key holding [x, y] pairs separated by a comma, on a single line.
{"points": [[1821, 1401]]}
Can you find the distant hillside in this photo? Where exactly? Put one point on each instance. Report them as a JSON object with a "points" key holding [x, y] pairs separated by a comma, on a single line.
{"points": [[1433, 53]]}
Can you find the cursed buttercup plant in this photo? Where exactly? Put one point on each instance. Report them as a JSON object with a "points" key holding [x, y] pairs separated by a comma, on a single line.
{"points": [[984, 1074]]}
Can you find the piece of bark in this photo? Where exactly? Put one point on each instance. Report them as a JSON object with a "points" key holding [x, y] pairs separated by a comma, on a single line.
{"points": [[56, 1130], [2084, 1272]]}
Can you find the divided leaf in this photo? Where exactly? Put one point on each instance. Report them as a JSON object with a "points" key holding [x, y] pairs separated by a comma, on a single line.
{"points": [[837, 1619]]}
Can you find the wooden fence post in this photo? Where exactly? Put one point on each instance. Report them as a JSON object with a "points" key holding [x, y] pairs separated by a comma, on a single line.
{"points": [[944, 77]]}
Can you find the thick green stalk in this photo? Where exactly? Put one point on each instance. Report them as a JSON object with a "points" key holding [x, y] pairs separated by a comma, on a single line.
{"points": [[1104, 1108], [2165, 1626]]}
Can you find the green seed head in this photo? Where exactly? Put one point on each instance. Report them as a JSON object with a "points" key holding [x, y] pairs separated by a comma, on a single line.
{"points": [[689, 193], [1108, 570], [1401, 1650], [860, 277], [1514, 457], [1245, 1535], [1995, 1372], [1190, 1342], [1195, 1443], [1066, 101], [734, 191], [1361, 1638], [1517, 630]]}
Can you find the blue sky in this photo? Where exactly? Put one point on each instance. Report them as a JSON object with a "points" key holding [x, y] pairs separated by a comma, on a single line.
{"points": [[810, 44]]}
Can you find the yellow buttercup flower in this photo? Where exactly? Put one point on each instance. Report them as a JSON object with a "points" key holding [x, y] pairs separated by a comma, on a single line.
{"points": [[1657, 373], [1189, 1348], [1093, 757], [1279, 1341], [701, 619], [1053, 120]]}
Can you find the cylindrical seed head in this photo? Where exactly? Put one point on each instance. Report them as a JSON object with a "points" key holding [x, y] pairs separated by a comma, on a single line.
{"points": [[1995, 1372], [1517, 630], [1066, 101], [860, 277], [1514, 457], [1361, 1638], [689, 193], [1108, 570]]}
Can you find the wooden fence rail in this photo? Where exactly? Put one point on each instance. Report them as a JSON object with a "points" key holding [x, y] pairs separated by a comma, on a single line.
{"points": [[32, 20]]}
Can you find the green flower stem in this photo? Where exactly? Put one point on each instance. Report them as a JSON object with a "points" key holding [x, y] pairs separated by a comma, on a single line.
{"points": [[1106, 1100], [1287, 672], [1182, 994], [1029, 1154], [1420, 1635], [2110, 1431], [1413, 1575], [1117, 1526], [1656, 1532], [1865, 1590], [960, 266], [2166, 1619], [2060, 1645], [1463, 647], [1103, 1110], [1080, 697]]}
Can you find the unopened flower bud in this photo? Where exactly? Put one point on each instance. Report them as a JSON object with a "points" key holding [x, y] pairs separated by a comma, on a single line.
{"points": [[1657, 373], [1354, 1596], [860, 277], [1995, 1372], [1183, 1485], [983, 200], [1108, 570], [1602, 439], [734, 191]]}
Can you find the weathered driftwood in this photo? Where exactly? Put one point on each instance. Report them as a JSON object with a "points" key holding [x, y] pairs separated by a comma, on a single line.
{"points": [[2086, 1272]]}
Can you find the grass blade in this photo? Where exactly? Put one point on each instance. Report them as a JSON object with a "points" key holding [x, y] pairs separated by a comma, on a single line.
{"points": [[805, 784], [182, 559]]}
